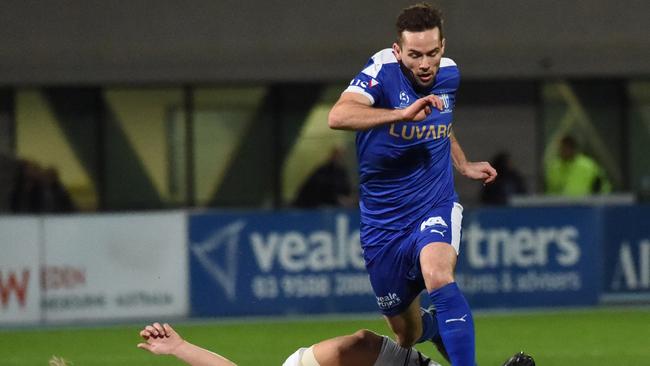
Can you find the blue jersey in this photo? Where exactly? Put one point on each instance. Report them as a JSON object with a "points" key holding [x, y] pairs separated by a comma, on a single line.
{"points": [[405, 168]]}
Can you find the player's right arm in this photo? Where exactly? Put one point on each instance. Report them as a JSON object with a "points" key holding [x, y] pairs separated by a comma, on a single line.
{"points": [[162, 339], [354, 111]]}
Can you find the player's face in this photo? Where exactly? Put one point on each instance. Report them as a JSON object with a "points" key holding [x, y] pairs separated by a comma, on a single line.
{"points": [[421, 52]]}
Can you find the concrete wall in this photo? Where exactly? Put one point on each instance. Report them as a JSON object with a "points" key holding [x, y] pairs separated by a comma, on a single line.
{"points": [[498, 117], [91, 41]]}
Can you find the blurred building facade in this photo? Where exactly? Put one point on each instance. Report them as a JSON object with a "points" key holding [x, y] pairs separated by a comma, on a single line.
{"points": [[224, 104]]}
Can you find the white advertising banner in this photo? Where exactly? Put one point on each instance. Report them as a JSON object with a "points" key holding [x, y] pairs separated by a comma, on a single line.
{"points": [[115, 266], [19, 270]]}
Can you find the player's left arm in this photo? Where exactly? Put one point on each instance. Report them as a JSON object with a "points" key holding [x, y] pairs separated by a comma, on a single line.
{"points": [[480, 170]]}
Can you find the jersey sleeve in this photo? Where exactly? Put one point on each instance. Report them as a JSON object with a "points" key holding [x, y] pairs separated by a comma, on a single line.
{"points": [[365, 85], [368, 82]]}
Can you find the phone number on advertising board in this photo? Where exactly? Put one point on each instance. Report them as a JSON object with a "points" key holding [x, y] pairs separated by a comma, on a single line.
{"points": [[309, 286]]}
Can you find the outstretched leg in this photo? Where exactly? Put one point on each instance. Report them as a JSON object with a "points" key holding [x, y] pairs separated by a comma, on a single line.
{"points": [[363, 348], [360, 348]]}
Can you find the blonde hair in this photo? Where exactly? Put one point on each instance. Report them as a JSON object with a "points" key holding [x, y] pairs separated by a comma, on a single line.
{"points": [[58, 361]]}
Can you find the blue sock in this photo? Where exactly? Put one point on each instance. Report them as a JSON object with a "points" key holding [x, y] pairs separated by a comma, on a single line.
{"points": [[455, 324], [429, 326]]}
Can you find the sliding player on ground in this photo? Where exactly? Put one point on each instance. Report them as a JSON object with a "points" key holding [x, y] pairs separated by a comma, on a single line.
{"points": [[362, 348]]}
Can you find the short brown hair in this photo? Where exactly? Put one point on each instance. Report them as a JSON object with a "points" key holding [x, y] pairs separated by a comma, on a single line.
{"points": [[418, 18]]}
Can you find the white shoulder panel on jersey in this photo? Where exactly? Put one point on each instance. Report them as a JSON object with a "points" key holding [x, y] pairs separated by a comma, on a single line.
{"points": [[379, 59], [444, 62]]}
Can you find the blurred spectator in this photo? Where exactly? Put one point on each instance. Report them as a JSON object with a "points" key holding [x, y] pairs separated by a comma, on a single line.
{"points": [[55, 197], [38, 190], [25, 197], [7, 178], [509, 181], [328, 185], [573, 173]]}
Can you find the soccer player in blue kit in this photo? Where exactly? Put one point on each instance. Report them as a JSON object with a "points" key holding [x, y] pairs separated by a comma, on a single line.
{"points": [[401, 106]]}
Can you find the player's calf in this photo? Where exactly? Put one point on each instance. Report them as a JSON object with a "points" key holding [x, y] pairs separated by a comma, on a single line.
{"points": [[408, 325], [430, 331]]}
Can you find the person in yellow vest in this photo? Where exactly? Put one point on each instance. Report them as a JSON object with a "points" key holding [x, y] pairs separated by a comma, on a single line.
{"points": [[573, 173]]}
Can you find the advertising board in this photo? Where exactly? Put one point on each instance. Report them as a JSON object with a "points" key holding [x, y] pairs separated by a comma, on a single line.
{"points": [[20, 293], [531, 257], [627, 254], [297, 262], [115, 266]]}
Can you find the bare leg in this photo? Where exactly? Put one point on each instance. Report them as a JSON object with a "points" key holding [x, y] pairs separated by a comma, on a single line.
{"points": [[359, 349], [407, 326], [437, 261]]}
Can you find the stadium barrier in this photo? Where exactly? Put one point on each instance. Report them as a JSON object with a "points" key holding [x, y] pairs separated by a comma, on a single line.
{"points": [[270, 263], [20, 294], [308, 262], [74, 268], [626, 255], [240, 263], [531, 257]]}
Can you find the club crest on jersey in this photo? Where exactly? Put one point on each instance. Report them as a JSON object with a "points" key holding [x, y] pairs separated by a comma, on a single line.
{"points": [[403, 99], [445, 102], [432, 221]]}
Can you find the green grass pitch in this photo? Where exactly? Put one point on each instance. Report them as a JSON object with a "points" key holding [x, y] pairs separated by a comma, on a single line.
{"points": [[608, 336]]}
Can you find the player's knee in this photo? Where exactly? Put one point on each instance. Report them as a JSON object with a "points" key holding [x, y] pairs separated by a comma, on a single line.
{"points": [[354, 348], [359, 340], [436, 279], [351, 344], [363, 337], [437, 262]]}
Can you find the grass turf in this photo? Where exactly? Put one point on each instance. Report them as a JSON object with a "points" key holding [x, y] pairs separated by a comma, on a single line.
{"points": [[612, 336]]}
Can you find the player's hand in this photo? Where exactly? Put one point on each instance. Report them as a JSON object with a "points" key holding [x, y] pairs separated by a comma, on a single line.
{"points": [[480, 171], [421, 108], [160, 339]]}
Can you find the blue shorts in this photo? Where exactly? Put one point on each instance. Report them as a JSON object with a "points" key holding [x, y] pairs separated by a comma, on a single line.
{"points": [[393, 256]]}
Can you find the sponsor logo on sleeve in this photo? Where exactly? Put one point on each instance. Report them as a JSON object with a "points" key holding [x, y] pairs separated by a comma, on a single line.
{"points": [[364, 84]]}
